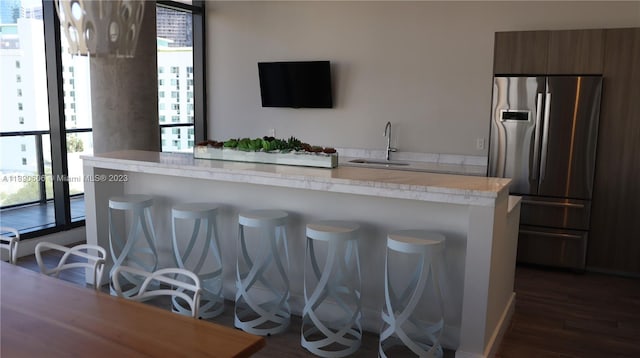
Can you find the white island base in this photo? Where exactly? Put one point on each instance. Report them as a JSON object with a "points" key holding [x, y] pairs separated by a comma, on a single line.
{"points": [[474, 213]]}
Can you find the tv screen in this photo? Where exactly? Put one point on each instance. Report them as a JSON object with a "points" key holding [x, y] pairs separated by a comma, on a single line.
{"points": [[305, 84]]}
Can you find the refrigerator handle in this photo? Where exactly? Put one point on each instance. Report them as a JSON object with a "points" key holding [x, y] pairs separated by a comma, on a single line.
{"points": [[553, 204], [545, 135], [536, 146]]}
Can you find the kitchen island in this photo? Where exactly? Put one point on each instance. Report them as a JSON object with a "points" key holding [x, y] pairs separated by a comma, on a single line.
{"points": [[476, 214]]}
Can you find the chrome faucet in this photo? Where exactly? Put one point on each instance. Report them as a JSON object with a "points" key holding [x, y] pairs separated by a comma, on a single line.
{"points": [[387, 133]]}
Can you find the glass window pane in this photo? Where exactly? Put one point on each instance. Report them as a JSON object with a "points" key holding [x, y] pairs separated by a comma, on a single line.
{"points": [[177, 139], [24, 168], [25, 161], [77, 88], [175, 68], [78, 144], [23, 93]]}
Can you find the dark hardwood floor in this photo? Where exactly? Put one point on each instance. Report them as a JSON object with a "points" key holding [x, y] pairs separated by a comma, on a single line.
{"points": [[564, 314], [558, 314]]}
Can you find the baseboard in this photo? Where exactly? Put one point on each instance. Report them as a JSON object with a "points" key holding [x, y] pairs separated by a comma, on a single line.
{"points": [[613, 272], [76, 235], [503, 324]]}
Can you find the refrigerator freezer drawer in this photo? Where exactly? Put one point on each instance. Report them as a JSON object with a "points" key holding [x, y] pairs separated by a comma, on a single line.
{"points": [[554, 212], [551, 247]]}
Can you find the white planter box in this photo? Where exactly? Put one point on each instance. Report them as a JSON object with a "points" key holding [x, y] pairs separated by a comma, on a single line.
{"points": [[320, 160]]}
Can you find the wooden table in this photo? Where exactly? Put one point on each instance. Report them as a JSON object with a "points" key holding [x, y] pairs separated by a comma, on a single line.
{"points": [[42, 316]]}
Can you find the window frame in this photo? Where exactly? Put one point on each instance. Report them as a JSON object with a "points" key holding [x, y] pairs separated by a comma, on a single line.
{"points": [[57, 130]]}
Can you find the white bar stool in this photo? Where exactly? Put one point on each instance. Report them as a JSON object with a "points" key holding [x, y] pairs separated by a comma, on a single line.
{"points": [[142, 255], [262, 310], [204, 261], [332, 291], [418, 330]]}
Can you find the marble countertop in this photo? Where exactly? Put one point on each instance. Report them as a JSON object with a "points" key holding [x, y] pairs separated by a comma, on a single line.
{"points": [[421, 162], [402, 184], [430, 167]]}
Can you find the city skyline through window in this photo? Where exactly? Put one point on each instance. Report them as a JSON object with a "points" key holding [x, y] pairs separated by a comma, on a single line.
{"points": [[23, 105], [175, 69]]}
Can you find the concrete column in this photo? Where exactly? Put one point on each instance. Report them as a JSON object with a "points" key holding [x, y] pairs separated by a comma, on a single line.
{"points": [[124, 95]]}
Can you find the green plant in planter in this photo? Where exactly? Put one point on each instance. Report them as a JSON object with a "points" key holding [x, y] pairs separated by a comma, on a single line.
{"points": [[231, 143], [243, 144], [294, 143], [270, 144]]}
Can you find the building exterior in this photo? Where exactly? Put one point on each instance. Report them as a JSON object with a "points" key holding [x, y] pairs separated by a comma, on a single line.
{"points": [[9, 11], [174, 25], [23, 94], [175, 97]]}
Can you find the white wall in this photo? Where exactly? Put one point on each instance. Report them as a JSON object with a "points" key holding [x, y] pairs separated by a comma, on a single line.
{"points": [[424, 66]]}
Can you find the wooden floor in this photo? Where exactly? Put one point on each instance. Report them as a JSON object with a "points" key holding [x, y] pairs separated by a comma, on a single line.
{"points": [[562, 314], [558, 314]]}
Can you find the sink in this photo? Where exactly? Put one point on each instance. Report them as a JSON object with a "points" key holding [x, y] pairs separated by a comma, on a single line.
{"points": [[377, 162]]}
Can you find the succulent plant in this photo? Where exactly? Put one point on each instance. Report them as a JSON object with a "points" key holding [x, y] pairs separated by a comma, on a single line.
{"points": [[294, 143], [267, 144], [231, 143]]}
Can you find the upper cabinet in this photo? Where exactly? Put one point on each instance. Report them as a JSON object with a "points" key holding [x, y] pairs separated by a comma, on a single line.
{"points": [[565, 52], [521, 52], [578, 52]]}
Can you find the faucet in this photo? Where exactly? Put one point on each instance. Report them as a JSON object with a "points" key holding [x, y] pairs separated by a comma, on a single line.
{"points": [[387, 133]]}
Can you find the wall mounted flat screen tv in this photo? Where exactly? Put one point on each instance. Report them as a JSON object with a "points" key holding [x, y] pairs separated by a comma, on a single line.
{"points": [[302, 84]]}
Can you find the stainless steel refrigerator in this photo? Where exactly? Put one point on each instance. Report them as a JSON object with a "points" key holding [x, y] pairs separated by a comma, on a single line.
{"points": [[543, 135]]}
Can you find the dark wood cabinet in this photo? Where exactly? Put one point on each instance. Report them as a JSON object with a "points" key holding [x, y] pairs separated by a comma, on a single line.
{"points": [[566, 52], [614, 242], [521, 52], [577, 52]]}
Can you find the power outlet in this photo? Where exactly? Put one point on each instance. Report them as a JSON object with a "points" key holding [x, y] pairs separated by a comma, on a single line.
{"points": [[272, 132], [480, 143]]}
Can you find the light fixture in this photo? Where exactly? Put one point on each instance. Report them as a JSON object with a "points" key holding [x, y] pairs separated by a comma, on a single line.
{"points": [[101, 27]]}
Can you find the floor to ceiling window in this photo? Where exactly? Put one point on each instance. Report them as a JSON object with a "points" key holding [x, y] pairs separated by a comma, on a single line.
{"points": [[180, 96], [25, 136], [45, 122]]}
